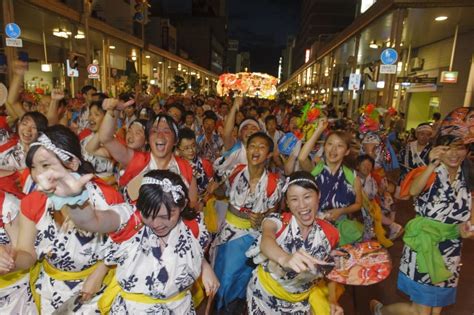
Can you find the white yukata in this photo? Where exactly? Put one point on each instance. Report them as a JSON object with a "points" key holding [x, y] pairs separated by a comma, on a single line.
{"points": [[15, 298], [144, 267], [231, 243], [103, 167], [68, 248], [318, 244]]}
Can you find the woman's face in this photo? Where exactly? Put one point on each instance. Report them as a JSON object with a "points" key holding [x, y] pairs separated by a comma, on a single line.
{"points": [[27, 130], [454, 156], [335, 149], [135, 137], [44, 161], [161, 139], [95, 118], [161, 225], [303, 204]]}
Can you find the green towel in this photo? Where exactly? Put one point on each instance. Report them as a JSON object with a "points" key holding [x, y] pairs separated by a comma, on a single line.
{"points": [[423, 236], [350, 231]]}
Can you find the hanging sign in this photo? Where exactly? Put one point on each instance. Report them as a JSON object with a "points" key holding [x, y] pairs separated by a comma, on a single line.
{"points": [[93, 71], [13, 31], [389, 56], [388, 69], [354, 81]]}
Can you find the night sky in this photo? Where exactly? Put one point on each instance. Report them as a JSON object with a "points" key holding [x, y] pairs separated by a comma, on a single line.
{"points": [[262, 27]]}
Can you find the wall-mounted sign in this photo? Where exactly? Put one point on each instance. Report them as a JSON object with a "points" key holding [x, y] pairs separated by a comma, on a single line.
{"points": [[389, 56], [71, 72], [93, 71], [419, 80], [388, 69], [12, 30], [354, 81], [449, 77]]}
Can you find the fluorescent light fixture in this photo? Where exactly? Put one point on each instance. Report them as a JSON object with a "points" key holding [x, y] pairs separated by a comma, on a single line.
{"points": [[46, 67], [380, 84], [152, 82], [341, 89], [61, 33], [373, 45], [147, 56], [112, 47], [441, 18], [80, 35]]}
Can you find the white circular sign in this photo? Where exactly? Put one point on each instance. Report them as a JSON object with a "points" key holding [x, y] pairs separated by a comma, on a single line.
{"points": [[92, 69]]}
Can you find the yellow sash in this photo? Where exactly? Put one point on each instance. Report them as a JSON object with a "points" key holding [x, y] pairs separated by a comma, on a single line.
{"points": [[61, 275], [317, 295], [211, 219], [234, 220], [11, 278], [114, 289]]}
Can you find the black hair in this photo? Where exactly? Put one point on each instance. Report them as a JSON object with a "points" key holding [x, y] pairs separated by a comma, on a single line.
{"points": [[261, 110], [262, 135], [364, 157], [209, 114], [40, 120], [97, 104], [447, 140], [188, 112], [179, 106], [269, 118], [65, 139], [151, 196], [169, 120], [436, 116], [101, 96], [303, 179], [87, 88], [186, 133]]}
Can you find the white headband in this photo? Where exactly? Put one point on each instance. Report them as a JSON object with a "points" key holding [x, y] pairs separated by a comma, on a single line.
{"points": [[63, 155], [424, 128], [246, 122], [371, 138], [176, 190], [175, 127], [297, 180]]}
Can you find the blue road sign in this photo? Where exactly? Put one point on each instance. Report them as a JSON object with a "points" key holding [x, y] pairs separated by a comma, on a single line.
{"points": [[389, 56], [12, 30]]}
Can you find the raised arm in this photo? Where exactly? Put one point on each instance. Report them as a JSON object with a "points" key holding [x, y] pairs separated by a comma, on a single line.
{"points": [[119, 152], [419, 182], [53, 114], [89, 219], [14, 107], [305, 163], [93, 147], [230, 122]]}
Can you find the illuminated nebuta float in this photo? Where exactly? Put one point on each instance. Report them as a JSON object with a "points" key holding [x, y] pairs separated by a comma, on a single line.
{"points": [[250, 84]]}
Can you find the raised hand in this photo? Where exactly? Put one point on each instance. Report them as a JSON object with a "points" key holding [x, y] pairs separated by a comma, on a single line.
{"points": [[113, 103], [436, 153], [57, 95], [62, 182], [20, 67]]}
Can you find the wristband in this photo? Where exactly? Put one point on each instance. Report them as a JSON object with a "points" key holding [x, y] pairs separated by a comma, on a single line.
{"points": [[78, 200]]}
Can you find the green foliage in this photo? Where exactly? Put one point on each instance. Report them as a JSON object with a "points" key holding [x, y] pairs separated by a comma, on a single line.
{"points": [[179, 85]]}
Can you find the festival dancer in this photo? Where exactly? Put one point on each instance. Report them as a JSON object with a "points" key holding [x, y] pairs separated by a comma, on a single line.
{"points": [[162, 139], [415, 154], [430, 263], [69, 257], [292, 256], [253, 193]]}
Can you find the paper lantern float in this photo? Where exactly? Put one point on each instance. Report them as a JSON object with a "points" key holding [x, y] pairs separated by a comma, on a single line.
{"points": [[250, 84]]}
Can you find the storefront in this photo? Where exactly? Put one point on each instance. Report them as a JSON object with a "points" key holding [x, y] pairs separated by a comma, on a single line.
{"points": [[54, 36], [429, 40]]}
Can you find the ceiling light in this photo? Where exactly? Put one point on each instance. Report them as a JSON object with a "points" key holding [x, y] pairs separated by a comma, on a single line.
{"points": [[152, 81], [80, 35], [61, 33], [154, 69], [147, 57], [373, 45], [112, 47], [441, 18], [160, 62], [134, 58]]}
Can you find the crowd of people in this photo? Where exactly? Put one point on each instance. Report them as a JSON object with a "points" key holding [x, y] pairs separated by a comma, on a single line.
{"points": [[162, 204]]}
